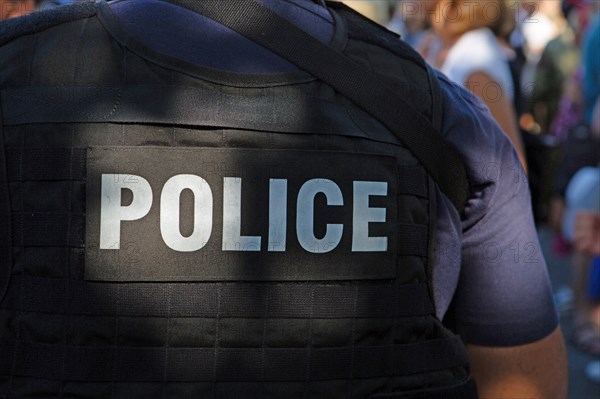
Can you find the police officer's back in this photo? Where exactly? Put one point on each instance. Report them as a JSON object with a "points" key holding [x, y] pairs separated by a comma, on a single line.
{"points": [[182, 230]]}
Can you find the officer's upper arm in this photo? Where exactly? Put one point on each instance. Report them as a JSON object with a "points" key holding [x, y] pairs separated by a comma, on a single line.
{"points": [[535, 370], [504, 296]]}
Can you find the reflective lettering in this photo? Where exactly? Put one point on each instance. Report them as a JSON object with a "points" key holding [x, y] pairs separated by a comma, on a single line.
{"points": [[170, 208], [232, 219], [363, 215], [305, 217], [277, 214], [111, 211]]}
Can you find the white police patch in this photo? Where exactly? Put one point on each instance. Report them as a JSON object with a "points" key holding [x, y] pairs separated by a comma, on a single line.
{"points": [[178, 214]]}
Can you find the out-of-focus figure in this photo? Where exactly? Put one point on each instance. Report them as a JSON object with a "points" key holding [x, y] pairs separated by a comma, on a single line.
{"points": [[538, 22], [583, 194], [556, 72], [572, 125], [410, 22], [15, 8], [581, 228], [468, 52]]}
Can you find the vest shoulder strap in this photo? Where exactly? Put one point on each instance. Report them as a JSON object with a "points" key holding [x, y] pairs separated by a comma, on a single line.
{"points": [[258, 23], [362, 28]]}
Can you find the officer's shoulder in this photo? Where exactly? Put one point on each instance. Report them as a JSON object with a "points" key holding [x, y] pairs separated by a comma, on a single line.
{"points": [[363, 29], [460, 97], [391, 60], [36, 22]]}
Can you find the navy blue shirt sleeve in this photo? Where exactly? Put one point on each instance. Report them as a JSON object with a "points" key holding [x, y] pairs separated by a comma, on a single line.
{"points": [[503, 295]]}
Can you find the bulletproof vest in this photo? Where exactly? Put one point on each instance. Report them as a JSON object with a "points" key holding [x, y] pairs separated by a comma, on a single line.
{"points": [[174, 231]]}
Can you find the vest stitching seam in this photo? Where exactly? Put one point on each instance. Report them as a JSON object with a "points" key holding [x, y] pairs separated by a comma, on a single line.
{"points": [[79, 47], [116, 105], [353, 119]]}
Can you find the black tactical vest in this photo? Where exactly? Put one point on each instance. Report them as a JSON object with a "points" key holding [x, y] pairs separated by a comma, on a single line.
{"points": [[172, 231]]}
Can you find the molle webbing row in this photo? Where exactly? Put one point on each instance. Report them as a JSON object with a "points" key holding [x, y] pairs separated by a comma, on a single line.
{"points": [[88, 364], [250, 109], [52, 164], [278, 300]]}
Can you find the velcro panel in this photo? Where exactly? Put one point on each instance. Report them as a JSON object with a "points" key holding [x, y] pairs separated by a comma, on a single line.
{"points": [[278, 224]]}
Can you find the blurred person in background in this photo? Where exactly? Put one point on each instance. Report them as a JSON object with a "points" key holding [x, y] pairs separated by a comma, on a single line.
{"points": [[467, 51], [572, 125], [557, 66], [503, 28], [555, 106], [15, 8], [583, 194], [582, 204], [587, 224], [591, 64], [538, 22], [587, 241], [410, 22]]}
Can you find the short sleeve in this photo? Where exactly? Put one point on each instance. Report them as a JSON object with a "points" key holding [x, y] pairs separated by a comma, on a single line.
{"points": [[503, 295]]}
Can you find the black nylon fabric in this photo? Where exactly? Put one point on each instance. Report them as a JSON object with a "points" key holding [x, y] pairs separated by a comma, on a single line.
{"points": [[5, 225], [464, 390], [266, 365], [64, 336]]}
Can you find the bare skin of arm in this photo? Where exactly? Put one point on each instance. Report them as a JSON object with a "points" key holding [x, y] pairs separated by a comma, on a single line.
{"points": [[533, 371], [487, 89]]}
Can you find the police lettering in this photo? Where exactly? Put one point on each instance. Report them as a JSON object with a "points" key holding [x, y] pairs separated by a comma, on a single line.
{"points": [[112, 213]]}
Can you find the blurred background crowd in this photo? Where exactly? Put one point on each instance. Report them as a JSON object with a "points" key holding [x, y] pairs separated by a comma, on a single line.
{"points": [[536, 65]]}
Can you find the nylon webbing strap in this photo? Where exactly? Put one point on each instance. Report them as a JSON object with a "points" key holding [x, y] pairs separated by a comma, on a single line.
{"points": [[48, 230], [327, 301], [46, 164], [258, 23], [101, 363], [70, 164], [466, 390], [5, 223]]}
